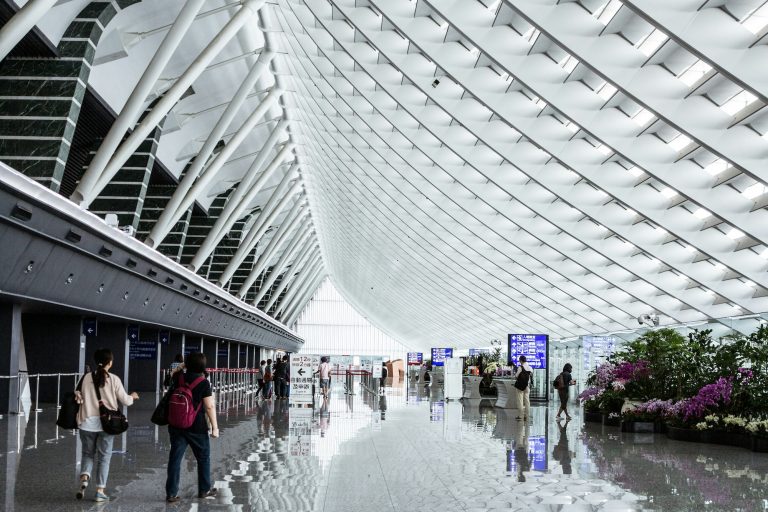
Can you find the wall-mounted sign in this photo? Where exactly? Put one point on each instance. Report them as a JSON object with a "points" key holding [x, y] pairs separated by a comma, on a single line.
{"points": [[596, 349], [90, 327], [439, 355], [165, 337], [532, 346], [132, 332], [415, 358], [142, 350], [192, 347], [302, 376]]}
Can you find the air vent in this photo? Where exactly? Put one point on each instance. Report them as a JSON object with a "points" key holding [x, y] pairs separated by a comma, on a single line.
{"points": [[74, 237], [131, 263], [22, 212]]}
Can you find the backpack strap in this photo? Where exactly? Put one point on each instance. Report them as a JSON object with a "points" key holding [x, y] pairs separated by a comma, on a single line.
{"points": [[192, 385]]}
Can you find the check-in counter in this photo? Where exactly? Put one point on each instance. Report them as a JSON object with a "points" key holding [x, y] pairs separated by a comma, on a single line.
{"points": [[471, 385], [507, 399]]}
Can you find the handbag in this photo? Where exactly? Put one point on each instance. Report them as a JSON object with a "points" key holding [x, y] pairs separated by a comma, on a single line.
{"points": [[69, 408], [160, 414], [112, 422]]}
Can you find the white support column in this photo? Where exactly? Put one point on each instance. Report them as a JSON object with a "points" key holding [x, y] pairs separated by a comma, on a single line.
{"points": [[236, 205], [303, 280], [301, 304], [133, 108], [307, 260], [290, 221], [268, 214], [297, 243], [90, 185], [21, 23], [180, 201], [261, 263]]}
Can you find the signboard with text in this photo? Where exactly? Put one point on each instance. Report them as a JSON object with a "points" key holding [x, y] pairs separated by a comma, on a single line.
{"points": [[596, 350], [532, 346], [142, 350], [478, 351], [439, 355], [302, 369], [415, 358]]}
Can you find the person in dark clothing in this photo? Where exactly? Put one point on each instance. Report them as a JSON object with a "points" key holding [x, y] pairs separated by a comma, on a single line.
{"points": [[260, 380], [383, 378], [279, 376], [195, 436], [287, 384], [565, 380]]}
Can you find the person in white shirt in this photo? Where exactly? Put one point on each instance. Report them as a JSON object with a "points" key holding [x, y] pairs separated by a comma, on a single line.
{"points": [[325, 375], [523, 395]]}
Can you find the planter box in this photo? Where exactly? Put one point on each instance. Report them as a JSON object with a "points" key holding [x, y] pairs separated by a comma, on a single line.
{"points": [[593, 417], [716, 437], [611, 422], [759, 444], [639, 427], [741, 439], [684, 434]]}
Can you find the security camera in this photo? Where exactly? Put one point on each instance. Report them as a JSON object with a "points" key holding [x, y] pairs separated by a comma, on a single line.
{"points": [[651, 320]]}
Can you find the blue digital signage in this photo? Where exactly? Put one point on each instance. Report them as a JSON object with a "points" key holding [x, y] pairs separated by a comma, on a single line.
{"points": [[439, 355], [415, 358], [532, 346]]}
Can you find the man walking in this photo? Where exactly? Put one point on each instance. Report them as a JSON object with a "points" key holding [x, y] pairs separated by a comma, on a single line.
{"points": [[523, 376]]}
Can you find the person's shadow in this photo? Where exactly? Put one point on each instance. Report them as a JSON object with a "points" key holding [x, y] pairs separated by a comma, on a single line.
{"points": [[561, 452]]}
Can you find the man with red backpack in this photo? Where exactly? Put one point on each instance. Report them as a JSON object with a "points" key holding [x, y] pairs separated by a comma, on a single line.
{"points": [[190, 402]]}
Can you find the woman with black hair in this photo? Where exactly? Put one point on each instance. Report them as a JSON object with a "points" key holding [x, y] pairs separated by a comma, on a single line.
{"points": [[197, 435], [97, 444], [564, 381]]}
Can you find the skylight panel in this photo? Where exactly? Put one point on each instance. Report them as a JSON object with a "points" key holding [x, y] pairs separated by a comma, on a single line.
{"points": [[650, 44], [606, 91], [735, 234], [643, 118], [739, 102], [694, 73], [757, 20], [531, 34], [754, 191], [702, 214], [717, 167], [606, 13], [568, 63], [679, 142], [669, 193]]}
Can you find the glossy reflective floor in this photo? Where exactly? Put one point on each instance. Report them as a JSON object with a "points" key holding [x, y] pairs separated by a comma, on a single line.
{"points": [[406, 451]]}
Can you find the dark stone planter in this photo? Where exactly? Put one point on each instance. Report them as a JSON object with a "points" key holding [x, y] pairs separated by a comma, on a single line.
{"points": [[684, 434], [611, 422], [593, 417], [715, 437], [739, 439], [638, 427], [759, 444]]}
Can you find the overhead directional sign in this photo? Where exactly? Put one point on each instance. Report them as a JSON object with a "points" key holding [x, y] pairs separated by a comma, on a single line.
{"points": [[415, 358], [439, 355], [133, 332], [90, 327], [164, 337]]}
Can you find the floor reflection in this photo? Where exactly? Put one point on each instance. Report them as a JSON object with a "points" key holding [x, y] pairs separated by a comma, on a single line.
{"points": [[405, 450]]}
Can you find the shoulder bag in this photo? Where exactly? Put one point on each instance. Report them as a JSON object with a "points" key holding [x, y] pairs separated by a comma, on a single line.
{"points": [[69, 408], [112, 422]]}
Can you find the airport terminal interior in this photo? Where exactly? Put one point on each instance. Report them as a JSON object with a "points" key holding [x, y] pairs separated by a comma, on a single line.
{"points": [[383, 255]]}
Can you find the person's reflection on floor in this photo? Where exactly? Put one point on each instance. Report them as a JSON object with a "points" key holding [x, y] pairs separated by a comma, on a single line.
{"points": [[561, 452], [522, 457], [383, 406], [280, 419], [325, 416]]}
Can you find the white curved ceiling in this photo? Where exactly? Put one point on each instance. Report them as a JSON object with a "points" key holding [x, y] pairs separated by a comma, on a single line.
{"points": [[478, 167]]}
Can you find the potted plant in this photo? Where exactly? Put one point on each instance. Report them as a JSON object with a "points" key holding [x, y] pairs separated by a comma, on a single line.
{"points": [[758, 431]]}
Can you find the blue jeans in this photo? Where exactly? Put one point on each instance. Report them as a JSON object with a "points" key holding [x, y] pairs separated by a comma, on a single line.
{"points": [[201, 448], [98, 446], [280, 387], [266, 391]]}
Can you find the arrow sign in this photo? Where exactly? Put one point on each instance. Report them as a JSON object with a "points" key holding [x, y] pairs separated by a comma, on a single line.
{"points": [[165, 336], [301, 371], [90, 326], [133, 332]]}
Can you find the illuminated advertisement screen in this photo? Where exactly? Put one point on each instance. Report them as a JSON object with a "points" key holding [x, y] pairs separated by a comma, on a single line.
{"points": [[439, 355], [532, 346], [415, 358]]}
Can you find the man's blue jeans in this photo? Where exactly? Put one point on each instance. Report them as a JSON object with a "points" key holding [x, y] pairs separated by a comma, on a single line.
{"points": [[201, 448]]}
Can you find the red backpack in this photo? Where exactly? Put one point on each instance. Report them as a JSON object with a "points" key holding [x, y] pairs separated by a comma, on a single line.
{"points": [[181, 410]]}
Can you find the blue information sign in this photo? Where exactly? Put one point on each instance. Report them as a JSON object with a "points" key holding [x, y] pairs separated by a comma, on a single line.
{"points": [[142, 349], [133, 332], [415, 358], [596, 349], [164, 337], [439, 355], [90, 327], [191, 347], [532, 346]]}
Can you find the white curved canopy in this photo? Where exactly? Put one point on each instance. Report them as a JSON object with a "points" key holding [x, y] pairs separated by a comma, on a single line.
{"points": [[479, 167]]}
